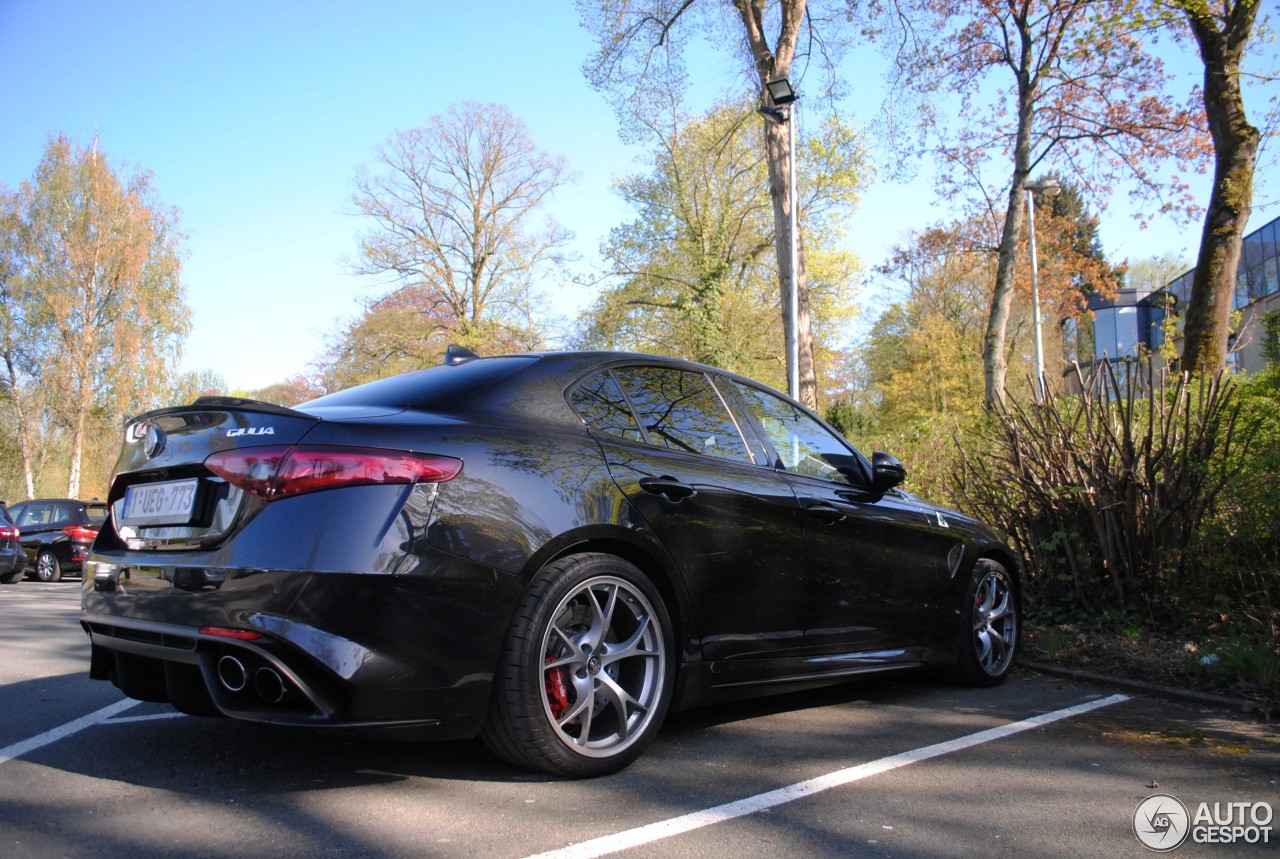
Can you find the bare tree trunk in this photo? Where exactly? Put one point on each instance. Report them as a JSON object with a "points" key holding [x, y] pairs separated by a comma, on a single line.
{"points": [[84, 403], [1235, 144], [995, 363], [771, 65], [20, 412]]}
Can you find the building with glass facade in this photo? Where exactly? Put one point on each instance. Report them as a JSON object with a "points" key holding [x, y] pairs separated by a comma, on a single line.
{"points": [[1133, 323]]}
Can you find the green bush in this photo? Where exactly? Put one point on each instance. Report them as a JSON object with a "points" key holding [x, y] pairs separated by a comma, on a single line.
{"points": [[1106, 493], [1238, 544]]}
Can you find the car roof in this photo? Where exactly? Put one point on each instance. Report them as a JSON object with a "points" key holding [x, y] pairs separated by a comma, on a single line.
{"points": [[530, 384]]}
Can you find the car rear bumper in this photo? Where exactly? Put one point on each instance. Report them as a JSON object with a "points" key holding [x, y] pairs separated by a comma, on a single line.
{"points": [[409, 654], [12, 562]]}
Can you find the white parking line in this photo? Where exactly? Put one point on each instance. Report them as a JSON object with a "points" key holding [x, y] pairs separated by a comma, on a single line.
{"points": [[652, 832], [17, 750], [149, 717], [642, 835]]}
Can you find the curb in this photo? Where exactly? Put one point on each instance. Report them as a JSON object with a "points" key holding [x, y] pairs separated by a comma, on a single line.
{"points": [[1240, 705]]}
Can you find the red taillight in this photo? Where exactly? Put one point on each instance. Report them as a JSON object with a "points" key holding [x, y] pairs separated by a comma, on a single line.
{"points": [[278, 472], [230, 632], [8, 532], [79, 532]]}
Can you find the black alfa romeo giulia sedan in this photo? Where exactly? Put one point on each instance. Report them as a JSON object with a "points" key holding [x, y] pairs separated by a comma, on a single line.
{"points": [[547, 550]]}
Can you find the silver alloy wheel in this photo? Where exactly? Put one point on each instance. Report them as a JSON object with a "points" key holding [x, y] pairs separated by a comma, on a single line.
{"points": [[47, 567], [995, 622], [604, 663]]}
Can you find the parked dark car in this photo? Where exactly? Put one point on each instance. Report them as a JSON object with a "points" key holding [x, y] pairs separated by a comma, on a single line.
{"points": [[548, 550], [56, 533], [13, 561]]}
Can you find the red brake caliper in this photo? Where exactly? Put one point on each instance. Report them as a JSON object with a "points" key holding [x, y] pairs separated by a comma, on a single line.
{"points": [[557, 692]]}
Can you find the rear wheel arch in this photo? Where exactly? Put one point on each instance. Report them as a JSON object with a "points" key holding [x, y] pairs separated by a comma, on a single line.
{"points": [[612, 694], [647, 559], [989, 552]]}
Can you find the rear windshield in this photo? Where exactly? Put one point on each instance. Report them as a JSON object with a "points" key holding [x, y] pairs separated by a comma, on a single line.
{"points": [[433, 386]]}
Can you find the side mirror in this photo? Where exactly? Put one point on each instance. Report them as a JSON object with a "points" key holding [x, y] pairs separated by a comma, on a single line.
{"points": [[886, 471]]}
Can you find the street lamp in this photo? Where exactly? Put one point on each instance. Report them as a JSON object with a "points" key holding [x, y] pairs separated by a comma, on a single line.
{"points": [[781, 93], [1050, 188]]}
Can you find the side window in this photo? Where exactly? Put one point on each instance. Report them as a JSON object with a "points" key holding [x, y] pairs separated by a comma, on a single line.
{"points": [[61, 514], [34, 514], [599, 402], [804, 446], [682, 410]]}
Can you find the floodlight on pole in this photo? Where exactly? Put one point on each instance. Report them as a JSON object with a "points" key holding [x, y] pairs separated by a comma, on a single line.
{"points": [[781, 93], [1050, 188]]}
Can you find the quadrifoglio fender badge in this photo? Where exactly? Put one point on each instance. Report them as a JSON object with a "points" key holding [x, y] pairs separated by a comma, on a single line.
{"points": [[232, 433]]}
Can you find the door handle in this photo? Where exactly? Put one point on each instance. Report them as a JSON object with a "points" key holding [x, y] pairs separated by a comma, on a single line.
{"points": [[824, 511], [668, 487]]}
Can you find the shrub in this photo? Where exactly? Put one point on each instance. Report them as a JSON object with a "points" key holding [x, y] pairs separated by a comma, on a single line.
{"points": [[1238, 562], [1104, 493]]}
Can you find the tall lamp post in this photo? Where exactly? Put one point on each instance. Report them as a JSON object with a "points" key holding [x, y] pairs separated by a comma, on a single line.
{"points": [[1050, 188], [782, 94]]}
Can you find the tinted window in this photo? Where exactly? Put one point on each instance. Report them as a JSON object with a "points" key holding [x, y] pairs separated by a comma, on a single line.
{"points": [[804, 446], [33, 514], [599, 402], [681, 410], [1252, 250], [1104, 333]]}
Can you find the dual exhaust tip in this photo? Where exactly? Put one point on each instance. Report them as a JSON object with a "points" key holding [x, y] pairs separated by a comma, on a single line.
{"points": [[267, 682]]}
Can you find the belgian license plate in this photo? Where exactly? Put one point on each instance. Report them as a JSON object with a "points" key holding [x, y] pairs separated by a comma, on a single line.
{"points": [[168, 503]]}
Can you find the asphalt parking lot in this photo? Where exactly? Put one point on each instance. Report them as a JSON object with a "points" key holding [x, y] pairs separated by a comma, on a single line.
{"points": [[903, 766]]}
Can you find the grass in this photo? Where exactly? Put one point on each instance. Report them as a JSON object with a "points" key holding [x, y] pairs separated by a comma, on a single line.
{"points": [[1207, 660]]}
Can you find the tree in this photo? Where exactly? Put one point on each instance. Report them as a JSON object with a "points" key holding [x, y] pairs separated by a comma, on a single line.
{"points": [[15, 333], [292, 391], [684, 276], [639, 58], [1152, 273], [1081, 94], [1072, 242], [193, 384], [405, 330], [93, 297], [1222, 30], [692, 274], [924, 358], [454, 206]]}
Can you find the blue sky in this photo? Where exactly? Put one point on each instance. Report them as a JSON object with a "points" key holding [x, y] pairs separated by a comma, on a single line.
{"points": [[254, 116]]}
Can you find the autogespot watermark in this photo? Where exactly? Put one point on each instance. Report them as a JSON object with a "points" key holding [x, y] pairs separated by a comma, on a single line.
{"points": [[1163, 823]]}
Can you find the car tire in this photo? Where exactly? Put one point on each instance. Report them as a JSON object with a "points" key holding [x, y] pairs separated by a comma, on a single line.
{"points": [[990, 626], [11, 578], [47, 567], [586, 675]]}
